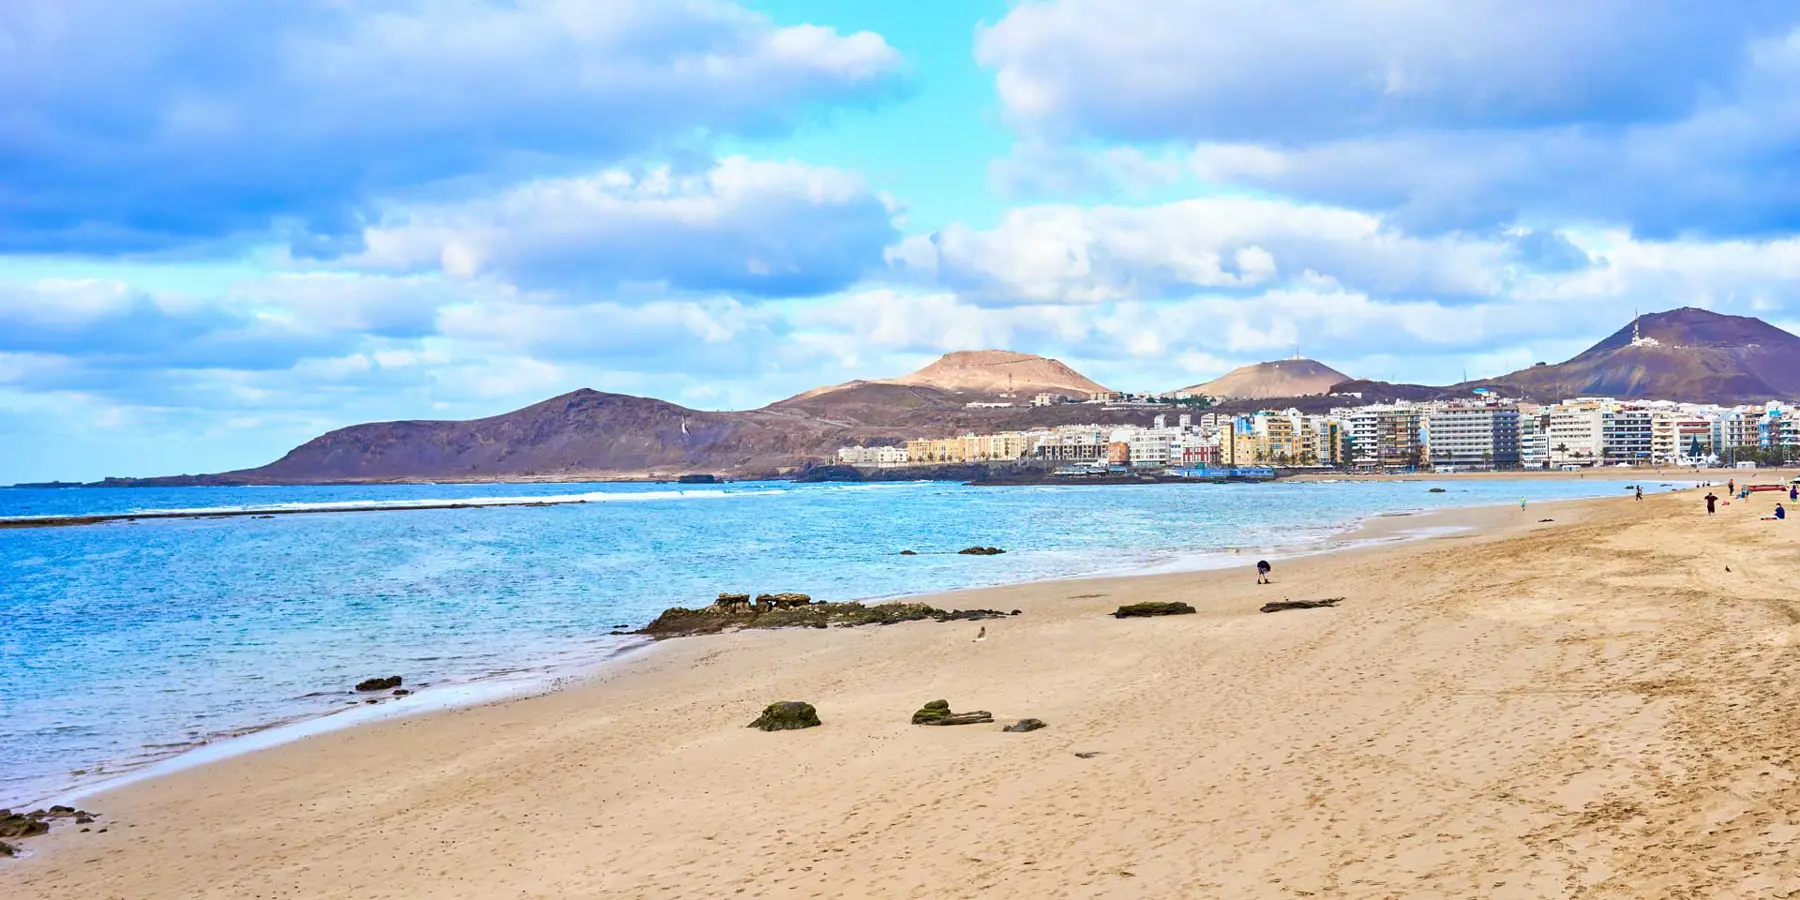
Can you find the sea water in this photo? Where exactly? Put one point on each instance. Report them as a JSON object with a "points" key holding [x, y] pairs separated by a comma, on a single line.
{"points": [[128, 642]]}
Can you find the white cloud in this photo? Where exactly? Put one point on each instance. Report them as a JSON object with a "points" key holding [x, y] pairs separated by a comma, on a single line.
{"points": [[185, 120], [1069, 254], [744, 225]]}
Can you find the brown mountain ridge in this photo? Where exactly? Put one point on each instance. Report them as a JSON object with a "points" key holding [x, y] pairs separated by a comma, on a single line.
{"points": [[1686, 354]]}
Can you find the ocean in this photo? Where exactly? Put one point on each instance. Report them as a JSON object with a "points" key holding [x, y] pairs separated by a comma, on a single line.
{"points": [[125, 644]]}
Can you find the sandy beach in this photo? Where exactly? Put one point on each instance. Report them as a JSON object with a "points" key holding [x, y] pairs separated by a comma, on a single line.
{"points": [[1598, 706]]}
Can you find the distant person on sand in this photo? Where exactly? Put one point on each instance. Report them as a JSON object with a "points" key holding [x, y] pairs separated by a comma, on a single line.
{"points": [[1521, 504], [1779, 512], [1711, 502], [1731, 485], [1640, 492], [1262, 572], [1794, 493]]}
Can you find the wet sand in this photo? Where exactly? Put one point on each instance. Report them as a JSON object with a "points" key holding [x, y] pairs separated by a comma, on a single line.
{"points": [[1591, 707]]}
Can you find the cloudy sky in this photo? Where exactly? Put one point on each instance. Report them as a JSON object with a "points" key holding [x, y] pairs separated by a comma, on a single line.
{"points": [[226, 227]]}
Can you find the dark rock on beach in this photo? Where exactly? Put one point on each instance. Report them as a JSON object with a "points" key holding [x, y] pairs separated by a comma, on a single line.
{"points": [[909, 553], [7, 850], [981, 551], [697, 479], [1153, 608], [787, 715], [680, 621], [969, 615], [1301, 604], [1024, 725], [781, 601], [379, 684], [937, 712], [22, 825]]}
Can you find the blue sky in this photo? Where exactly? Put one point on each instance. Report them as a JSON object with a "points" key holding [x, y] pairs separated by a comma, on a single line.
{"points": [[228, 227]]}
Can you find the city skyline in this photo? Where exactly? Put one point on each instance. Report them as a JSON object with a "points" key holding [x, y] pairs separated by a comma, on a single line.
{"points": [[228, 229]]}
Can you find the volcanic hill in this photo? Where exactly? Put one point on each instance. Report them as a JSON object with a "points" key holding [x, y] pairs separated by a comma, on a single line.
{"points": [[991, 374], [1691, 355], [1296, 377]]}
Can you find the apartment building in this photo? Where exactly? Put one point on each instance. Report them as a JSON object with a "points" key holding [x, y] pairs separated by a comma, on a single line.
{"points": [[1576, 435], [878, 457], [1472, 436], [1627, 435], [1385, 437]]}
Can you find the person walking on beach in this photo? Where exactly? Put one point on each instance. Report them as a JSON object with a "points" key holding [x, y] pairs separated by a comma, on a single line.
{"points": [[1730, 485], [1262, 572], [1711, 501], [1794, 493], [1640, 492]]}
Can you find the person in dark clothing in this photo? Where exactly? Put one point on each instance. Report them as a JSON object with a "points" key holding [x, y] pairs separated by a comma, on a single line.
{"points": [[1640, 488], [1262, 572], [1779, 512], [1710, 502], [1794, 493]]}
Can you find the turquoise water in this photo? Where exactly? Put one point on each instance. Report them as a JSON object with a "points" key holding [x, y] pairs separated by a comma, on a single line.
{"points": [[126, 642]]}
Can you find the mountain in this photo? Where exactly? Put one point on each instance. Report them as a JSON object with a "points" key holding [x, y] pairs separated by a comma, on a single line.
{"points": [[1295, 377], [1685, 354], [590, 434], [584, 433], [990, 374], [1688, 354]]}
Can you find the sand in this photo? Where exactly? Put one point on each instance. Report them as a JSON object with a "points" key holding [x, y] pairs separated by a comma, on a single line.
{"points": [[1594, 707]]}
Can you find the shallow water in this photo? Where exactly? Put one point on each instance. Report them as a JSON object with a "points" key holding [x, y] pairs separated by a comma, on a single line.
{"points": [[127, 642]]}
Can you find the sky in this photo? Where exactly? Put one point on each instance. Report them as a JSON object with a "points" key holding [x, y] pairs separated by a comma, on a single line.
{"points": [[228, 227]]}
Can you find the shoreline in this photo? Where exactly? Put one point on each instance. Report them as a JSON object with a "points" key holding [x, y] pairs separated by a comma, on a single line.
{"points": [[1367, 532], [1586, 707]]}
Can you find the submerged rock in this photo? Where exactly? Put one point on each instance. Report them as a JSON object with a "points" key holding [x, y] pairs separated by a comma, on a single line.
{"points": [[937, 712], [1301, 604], [1153, 608], [787, 715], [981, 551], [909, 553], [379, 684], [1436, 491], [1024, 725]]}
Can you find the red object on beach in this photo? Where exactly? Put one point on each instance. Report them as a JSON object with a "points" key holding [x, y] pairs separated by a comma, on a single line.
{"points": [[1768, 487]]}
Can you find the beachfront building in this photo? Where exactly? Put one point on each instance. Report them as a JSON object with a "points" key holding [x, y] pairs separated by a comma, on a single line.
{"points": [[1281, 438], [1577, 434], [1534, 438], [1683, 438], [1472, 436], [1383, 438], [873, 457], [1626, 435]]}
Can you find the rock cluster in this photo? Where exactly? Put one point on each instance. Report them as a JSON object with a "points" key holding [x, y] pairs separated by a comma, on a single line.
{"points": [[1025, 725], [1301, 604], [781, 601], [787, 715], [36, 822], [1153, 608], [937, 712], [799, 612], [379, 684], [981, 551], [971, 615]]}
